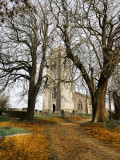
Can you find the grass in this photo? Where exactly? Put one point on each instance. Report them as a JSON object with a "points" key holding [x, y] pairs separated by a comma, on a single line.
{"points": [[107, 131], [31, 146], [113, 124], [4, 119], [5, 131], [12, 147], [59, 116], [110, 124], [45, 116], [85, 124], [84, 114]]}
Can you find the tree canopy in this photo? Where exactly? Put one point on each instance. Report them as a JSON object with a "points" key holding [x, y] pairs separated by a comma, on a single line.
{"points": [[24, 42]]}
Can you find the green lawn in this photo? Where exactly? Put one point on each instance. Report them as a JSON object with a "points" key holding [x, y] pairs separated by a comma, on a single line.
{"points": [[84, 114], [5, 131], [53, 116], [59, 116], [4, 119], [45, 116]]}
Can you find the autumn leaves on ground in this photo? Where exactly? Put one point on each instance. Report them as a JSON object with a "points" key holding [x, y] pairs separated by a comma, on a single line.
{"points": [[62, 139]]}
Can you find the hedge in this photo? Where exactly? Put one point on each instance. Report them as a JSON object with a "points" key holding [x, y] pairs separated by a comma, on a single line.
{"points": [[17, 114]]}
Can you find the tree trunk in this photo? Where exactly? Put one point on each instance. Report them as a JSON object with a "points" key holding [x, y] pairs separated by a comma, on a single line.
{"points": [[98, 104], [31, 102], [116, 99], [31, 107]]}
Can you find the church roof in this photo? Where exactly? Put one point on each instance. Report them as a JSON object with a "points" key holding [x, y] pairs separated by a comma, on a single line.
{"points": [[82, 95]]}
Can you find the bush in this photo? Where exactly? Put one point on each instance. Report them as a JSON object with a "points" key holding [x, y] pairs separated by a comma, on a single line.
{"points": [[1, 110], [17, 114], [4, 101], [116, 116], [113, 115], [4, 119], [114, 124]]}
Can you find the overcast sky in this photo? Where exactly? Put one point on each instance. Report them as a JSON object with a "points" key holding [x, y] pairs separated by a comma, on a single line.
{"points": [[15, 103]]}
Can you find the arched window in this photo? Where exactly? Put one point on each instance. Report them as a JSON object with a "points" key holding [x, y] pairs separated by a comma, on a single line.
{"points": [[79, 105], [64, 64], [54, 93]]}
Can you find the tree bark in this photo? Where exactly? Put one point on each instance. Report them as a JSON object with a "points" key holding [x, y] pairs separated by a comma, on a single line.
{"points": [[116, 99], [31, 100], [105, 38], [98, 103], [31, 105]]}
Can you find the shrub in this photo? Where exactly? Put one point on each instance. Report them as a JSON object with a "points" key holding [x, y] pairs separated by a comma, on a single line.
{"points": [[4, 119], [116, 116], [1, 110], [17, 114], [24, 109], [4, 101], [113, 115], [114, 124]]}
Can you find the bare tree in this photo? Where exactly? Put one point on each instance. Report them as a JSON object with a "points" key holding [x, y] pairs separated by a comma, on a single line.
{"points": [[4, 101], [25, 39], [114, 87], [96, 25]]}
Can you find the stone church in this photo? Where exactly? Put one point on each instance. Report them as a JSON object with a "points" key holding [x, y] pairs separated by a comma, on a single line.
{"points": [[59, 93]]}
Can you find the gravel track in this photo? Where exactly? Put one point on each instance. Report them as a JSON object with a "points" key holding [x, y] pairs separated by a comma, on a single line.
{"points": [[68, 142]]}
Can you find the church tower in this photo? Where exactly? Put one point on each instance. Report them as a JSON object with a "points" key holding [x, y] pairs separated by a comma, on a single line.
{"points": [[59, 90]]}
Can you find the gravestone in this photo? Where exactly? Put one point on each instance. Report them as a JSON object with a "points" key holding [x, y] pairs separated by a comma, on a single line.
{"points": [[62, 113]]}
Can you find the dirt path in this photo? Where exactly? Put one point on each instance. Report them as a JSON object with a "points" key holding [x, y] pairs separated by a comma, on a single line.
{"points": [[67, 142]]}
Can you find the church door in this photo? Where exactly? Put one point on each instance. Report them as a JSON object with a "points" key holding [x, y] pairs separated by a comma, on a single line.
{"points": [[53, 108]]}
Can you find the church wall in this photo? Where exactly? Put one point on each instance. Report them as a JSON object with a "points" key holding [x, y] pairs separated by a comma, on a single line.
{"points": [[48, 101], [59, 76], [80, 103], [90, 106], [67, 98], [45, 101], [51, 102]]}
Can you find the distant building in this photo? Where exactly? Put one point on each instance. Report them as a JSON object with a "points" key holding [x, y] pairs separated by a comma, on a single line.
{"points": [[59, 93]]}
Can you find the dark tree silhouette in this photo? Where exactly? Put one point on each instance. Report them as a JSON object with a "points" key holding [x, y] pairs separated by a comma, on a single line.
{"points": [[96, 25], [24, 45]]}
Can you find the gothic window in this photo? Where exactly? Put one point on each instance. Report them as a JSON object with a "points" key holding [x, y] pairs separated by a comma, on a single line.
{"points": [[79, 105], [64, 63], [54, 93]]}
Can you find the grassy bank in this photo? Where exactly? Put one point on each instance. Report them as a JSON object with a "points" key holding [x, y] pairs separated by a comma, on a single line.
{"points": [[4, 119], [9, 130]]}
